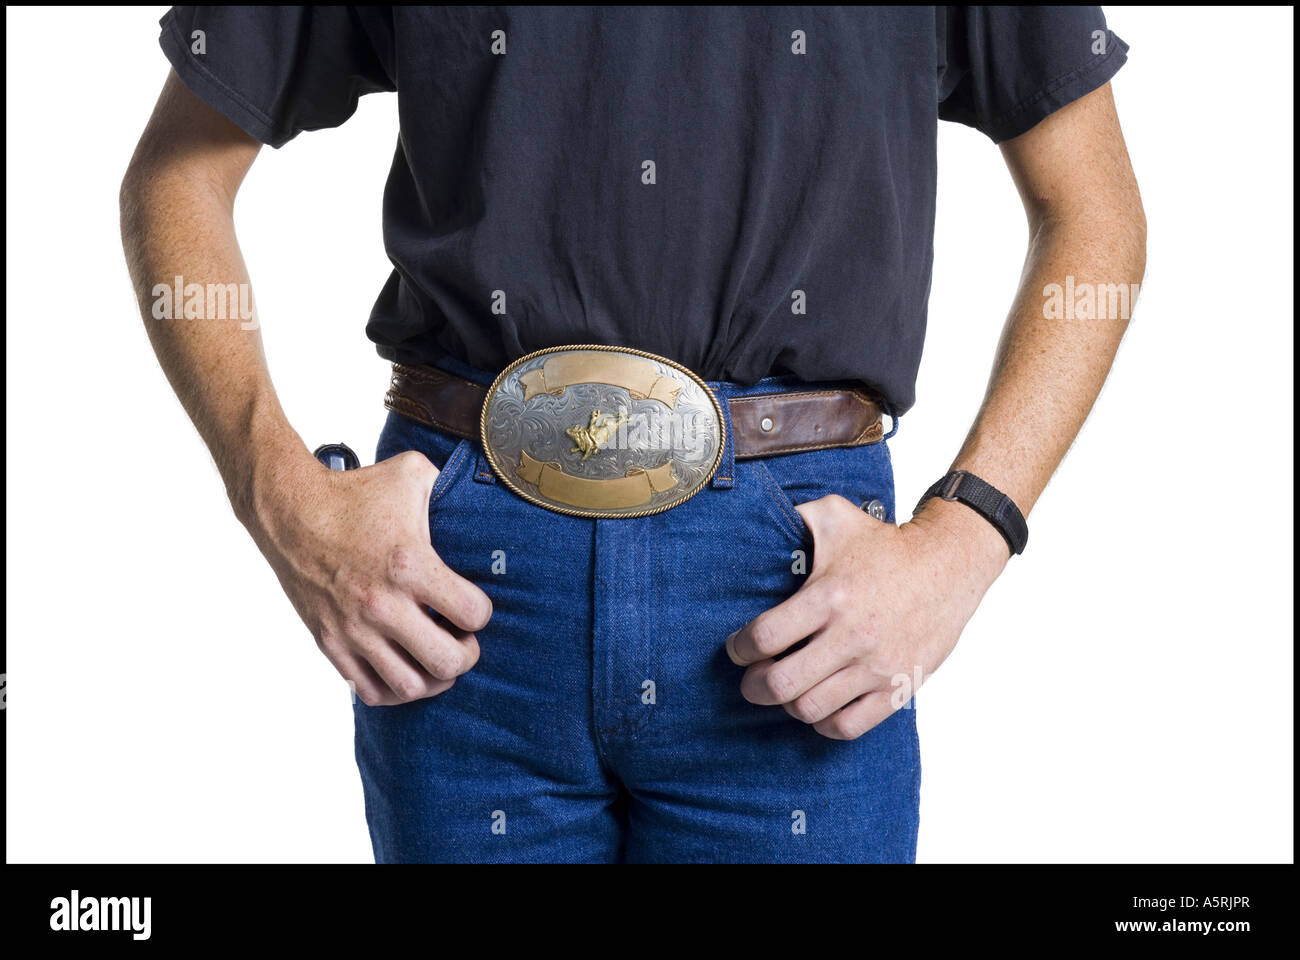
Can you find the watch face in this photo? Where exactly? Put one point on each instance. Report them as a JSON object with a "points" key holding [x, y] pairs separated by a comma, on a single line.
{"points": [[337, 456]]}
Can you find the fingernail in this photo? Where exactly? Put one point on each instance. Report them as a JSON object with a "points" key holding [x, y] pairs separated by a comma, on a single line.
{"points": [[731, 651]]}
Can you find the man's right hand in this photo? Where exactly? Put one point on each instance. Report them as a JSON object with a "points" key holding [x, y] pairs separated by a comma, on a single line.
{"points": [[353, 553], [352, 548]]}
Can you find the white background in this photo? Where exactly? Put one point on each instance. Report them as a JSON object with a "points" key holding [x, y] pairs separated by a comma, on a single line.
{"points": [[1124, 693]]}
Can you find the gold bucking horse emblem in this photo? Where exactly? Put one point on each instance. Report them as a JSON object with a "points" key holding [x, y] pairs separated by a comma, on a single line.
{"points": [[595, 434]]}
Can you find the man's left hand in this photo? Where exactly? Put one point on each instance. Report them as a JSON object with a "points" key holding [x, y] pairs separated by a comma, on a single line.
{"points": [[881, 609]]}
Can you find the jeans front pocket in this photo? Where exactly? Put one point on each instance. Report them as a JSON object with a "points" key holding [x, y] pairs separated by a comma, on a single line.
{"points": [[447, 452], [456, 466], [778, 502], [859, 474]]}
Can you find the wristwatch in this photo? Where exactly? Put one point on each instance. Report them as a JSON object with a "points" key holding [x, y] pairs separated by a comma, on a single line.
{"points": [[337, 456], [986, 500]]}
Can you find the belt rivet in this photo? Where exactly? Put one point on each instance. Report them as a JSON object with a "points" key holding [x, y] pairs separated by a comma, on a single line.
{"points": [[766, 424]]}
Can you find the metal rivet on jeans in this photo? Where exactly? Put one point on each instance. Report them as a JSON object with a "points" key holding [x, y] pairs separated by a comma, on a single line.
{"points": [[875, 508], [767, 424]]}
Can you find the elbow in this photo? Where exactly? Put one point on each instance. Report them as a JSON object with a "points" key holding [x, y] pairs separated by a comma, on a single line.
{"points": [[131, 198], [129, 204], [1130, 220], [138, 200], [1136, 222], [1142, 241]]}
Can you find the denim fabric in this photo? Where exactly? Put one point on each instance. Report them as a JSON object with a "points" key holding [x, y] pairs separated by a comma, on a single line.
{"points": [[604, 721]]}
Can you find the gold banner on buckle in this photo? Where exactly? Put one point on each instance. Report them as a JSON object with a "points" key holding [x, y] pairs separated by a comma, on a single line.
{"points": [[634, 490], [639, 377]]}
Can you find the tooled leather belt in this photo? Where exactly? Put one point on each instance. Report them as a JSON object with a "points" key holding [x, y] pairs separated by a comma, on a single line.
{"points": [[601, 460]]}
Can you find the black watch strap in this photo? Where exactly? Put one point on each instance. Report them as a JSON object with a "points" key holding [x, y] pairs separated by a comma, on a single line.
{"points": [[986, 500]]}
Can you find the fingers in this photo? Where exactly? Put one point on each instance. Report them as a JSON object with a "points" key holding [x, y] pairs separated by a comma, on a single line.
{"points": [[402, 674], [775, 631], [840, 705], [382, 672], [857, 718], [431, 645], [421, 574], [825, 698], [366, 684], [386, 643], [411, 653], [771, 682]]}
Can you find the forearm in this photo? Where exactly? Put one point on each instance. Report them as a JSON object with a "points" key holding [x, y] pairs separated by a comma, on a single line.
{"points": [[176, 223], [1046, 376], [1087, 227], [1048, 372]]}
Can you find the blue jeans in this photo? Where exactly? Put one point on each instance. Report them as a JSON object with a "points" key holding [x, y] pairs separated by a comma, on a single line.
{"points": [[604, 721]]}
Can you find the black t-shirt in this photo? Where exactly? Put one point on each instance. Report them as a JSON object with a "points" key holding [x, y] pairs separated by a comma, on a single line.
{"points": [[747, 190]]}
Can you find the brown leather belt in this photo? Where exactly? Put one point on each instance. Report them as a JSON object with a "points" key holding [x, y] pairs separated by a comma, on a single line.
{"points": [[762, 425]]}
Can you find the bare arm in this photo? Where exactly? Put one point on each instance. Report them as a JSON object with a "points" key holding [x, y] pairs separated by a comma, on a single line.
{"points": [[1085, 221], [351, 550], [884, 601], [177, 202]]}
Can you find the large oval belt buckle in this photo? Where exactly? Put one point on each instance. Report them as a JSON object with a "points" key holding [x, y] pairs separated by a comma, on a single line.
{"points": [[596, 431]]}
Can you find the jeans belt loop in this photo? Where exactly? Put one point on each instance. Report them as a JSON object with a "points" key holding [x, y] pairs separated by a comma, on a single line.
{"points": [[482, 469], [725, 476]]}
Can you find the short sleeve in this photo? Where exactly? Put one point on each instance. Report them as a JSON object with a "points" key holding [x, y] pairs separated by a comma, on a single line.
{"points": [[1003, 69], [277, 71]]}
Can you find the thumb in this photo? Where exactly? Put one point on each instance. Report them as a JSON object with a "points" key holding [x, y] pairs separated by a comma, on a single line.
{"points": [[825, 519]]}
